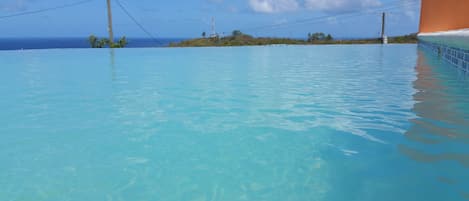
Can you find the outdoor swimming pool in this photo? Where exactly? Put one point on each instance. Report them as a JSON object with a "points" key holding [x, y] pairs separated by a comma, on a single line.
{"points": [[325, 123]]}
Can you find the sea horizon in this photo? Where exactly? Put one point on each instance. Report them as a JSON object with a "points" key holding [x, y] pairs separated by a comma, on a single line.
{"points": [[19, 43], [25, 43]]}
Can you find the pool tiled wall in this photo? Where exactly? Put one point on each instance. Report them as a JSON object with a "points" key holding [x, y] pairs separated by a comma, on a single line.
{"points": [[455, 56]]}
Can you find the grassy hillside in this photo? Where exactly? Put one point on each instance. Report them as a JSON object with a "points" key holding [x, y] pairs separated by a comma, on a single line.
{"points": [[247, 40]]}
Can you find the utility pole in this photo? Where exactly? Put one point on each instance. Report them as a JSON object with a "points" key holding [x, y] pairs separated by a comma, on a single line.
{"points": [[109, 20], [384, 38], [213, 27]]}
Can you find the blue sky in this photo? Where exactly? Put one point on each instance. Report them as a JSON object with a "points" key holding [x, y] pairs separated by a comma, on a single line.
{"points": [[189, 18]]}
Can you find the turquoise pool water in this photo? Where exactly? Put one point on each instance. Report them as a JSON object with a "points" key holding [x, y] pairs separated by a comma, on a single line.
{"points": [[325, 123]]}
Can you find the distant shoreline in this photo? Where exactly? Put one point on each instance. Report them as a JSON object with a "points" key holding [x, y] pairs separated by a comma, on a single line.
{"points": [[78, 42], [246, 40]]}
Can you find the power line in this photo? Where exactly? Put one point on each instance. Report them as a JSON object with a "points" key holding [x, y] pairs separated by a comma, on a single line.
{"points": [[327, 17], [320, 19], [45, 9], [137, 23]]}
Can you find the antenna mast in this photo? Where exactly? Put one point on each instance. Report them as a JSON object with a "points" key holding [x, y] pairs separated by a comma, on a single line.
{"points": [[213, 27]]}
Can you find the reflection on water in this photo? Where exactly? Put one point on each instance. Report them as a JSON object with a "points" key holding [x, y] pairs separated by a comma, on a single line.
{"points": [[424, 157], [250, 123], [440, 133], [112, 63]]}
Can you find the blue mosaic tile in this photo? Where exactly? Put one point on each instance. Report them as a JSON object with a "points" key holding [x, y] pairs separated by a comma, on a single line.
{"points": [[455, 56]]}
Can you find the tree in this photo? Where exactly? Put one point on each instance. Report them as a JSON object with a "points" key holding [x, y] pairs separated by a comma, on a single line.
{"points": [[237, 33], [318, 36], [93, 41], [204, 34], [102, 43], [329, 37], [122, 42]]}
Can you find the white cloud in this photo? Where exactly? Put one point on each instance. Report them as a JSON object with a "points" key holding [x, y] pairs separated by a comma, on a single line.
{"points": [[336, 6], [273, 6]]}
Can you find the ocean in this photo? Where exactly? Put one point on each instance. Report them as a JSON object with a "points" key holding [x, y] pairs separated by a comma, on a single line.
{"points": [[60, 43]]}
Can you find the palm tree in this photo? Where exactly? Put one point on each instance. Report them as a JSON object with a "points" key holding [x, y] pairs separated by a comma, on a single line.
{"points": [[204, 34], [102, 43], [93, 41], [122, 42]]}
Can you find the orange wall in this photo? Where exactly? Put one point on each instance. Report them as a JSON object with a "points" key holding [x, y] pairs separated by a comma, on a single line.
{"points": [[444, 15]]}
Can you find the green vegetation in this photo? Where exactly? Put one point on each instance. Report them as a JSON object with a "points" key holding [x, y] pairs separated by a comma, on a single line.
{"points": [[411, 38], [93, 41], [317, 37], [104, 42], [238, 38], [237, 33]]}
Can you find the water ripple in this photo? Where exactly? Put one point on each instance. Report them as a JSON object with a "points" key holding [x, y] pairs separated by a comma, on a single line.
{"points": [[248, 123]]}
